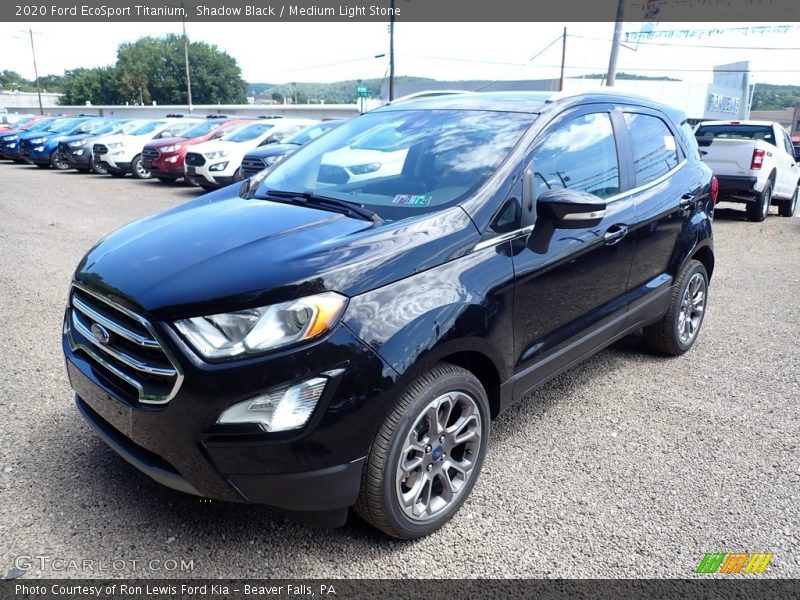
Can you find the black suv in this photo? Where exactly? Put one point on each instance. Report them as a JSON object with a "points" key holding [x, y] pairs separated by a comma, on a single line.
{"points": [[341, 330]]}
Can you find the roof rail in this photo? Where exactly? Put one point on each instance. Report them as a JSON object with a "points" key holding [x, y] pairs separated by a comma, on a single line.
{"points": [[598, 91], [427, 94]]}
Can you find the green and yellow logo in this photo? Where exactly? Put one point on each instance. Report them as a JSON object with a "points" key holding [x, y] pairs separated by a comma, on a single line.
{"points": [[734, 562]]}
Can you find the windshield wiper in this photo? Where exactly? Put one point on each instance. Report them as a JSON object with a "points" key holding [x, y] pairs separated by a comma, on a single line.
{"points": [[323, 202]]}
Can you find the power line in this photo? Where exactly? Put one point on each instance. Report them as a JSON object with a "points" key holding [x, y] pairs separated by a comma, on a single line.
{"points": [[709, 46], [531, 59]]}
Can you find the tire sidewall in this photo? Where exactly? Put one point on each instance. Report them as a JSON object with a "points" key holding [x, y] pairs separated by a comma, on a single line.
{"points": [[400, 522], [766, 200], [694, 267], [137, 160]]}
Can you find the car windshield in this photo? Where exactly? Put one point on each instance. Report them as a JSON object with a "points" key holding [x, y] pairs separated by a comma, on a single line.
{"points": [[202, 129], [127, 127], [148, 127], [248, 132], [110, 127], [309, 133], [400, 163], [59, 125]]}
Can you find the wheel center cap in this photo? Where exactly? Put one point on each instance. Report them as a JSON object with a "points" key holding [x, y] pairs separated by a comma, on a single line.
{"points": [[437, 453]]}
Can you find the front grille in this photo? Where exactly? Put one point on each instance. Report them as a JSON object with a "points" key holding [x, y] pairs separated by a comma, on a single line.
{"points": [[24, 148], [194, 159], [150, 153], [252, 165], [99, 149], [122, 347]]}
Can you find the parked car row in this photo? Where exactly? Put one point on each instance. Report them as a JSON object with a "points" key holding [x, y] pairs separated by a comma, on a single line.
{"points": [[207, 152]]}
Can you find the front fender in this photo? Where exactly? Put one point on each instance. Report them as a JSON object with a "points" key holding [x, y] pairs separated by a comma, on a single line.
{"points": [[463, 305]]}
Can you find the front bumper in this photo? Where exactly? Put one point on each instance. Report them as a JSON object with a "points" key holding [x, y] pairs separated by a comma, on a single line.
{"points": [[164, 167], [205, 176], [117, 165], [179, 444], [78, 158], [39, 155]]}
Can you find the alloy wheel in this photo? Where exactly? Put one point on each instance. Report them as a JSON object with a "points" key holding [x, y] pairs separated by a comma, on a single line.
{"points": [[692, 308], [439, 456]]}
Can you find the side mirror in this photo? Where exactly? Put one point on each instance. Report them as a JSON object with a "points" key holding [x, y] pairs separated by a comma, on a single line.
{"points": [[571, 209]]}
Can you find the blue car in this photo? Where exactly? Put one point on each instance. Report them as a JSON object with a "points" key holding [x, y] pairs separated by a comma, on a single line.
{"points": [[41, 148], [9, 140]]}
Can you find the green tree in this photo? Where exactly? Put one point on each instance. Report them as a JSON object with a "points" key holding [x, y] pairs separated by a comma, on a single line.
{"points": [[98, 86], [153, 69]]}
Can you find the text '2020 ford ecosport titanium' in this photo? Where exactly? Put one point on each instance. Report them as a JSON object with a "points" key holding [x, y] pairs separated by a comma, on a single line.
{"points": [[316, 338]]}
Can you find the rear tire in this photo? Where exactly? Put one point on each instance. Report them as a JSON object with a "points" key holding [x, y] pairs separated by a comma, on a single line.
{"points": [[757, 211], [786, 208], [679, 328], [427, 455]]}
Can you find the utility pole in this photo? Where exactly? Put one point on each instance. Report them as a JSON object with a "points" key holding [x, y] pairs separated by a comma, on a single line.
{"points": [[186, 63], [391, 52], [36, 72], [563, 59], [612, 61]]}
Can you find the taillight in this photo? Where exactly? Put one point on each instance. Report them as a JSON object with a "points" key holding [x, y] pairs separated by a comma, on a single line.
{"points": [[758, 160], [714, 190]]}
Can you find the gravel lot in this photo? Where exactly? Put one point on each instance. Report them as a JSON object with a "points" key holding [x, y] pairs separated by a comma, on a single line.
{"points": [[630, 465]]}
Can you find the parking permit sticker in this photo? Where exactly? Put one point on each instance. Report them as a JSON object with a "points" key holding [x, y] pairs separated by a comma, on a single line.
{"points": [[669, 142], [410, 200]]}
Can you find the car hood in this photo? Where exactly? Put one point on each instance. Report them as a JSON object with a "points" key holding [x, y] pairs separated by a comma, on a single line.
{"points": [[272, 150], [75, 138], [221, 253], [174, 140]]}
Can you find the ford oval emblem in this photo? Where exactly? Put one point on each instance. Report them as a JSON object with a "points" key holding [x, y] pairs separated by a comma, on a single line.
{"points": [[100, 333]]}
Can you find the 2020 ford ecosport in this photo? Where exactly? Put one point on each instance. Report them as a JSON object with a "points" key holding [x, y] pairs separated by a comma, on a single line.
{"points": [[314, 345]]}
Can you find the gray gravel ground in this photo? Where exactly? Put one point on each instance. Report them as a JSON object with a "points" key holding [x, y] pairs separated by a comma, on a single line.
{"points": [[630, 465]]}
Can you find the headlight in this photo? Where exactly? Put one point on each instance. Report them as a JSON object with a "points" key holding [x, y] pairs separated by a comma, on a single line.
{"points": [[172, 148], [260, 329], [11, 138], [113, 145], [77, 144], [39, 140], [216, 154], [271, 160], [362, 169]]}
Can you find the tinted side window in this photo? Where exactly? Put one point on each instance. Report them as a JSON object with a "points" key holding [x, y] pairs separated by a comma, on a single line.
{"points": [[654, 149], [581, 155]]}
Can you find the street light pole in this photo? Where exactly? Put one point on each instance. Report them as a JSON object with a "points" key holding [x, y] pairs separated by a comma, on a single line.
{"points": [[391, 52], [36, 73], [612, 61], [186, 64]]}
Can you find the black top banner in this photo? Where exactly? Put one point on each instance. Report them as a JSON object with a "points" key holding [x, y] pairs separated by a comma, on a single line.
{"points": [[402, 10]]}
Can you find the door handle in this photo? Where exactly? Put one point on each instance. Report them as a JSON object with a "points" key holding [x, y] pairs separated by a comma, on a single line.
{"points": [[615, 234]]}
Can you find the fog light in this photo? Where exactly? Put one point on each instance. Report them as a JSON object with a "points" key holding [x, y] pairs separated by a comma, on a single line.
{"points": [[218, 167], [78, 152], [172, 159], [280, 409], [39, 149]]}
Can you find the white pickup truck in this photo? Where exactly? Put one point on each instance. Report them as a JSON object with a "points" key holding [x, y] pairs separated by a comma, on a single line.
{"points": [[754, 162]]}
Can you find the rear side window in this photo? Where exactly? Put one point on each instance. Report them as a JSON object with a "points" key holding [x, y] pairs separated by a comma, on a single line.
{"points": [[655, 152], [581, 154]]}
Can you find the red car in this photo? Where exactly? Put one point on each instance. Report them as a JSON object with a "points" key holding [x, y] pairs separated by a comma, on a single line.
{"points": [[23, 123], [165, 157]]}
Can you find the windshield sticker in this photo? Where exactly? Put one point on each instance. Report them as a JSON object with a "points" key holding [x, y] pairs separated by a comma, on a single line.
{"points": [[410, 200]]}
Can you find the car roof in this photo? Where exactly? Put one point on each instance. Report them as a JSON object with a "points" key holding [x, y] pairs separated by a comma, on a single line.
{"points": [[527, 102]]}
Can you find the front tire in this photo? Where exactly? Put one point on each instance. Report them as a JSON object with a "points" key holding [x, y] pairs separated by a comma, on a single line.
{"points": [[58, 161], [786, 208], [427, 455], [97, 168], [678, 329], [757, 211], [138, 170]]}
